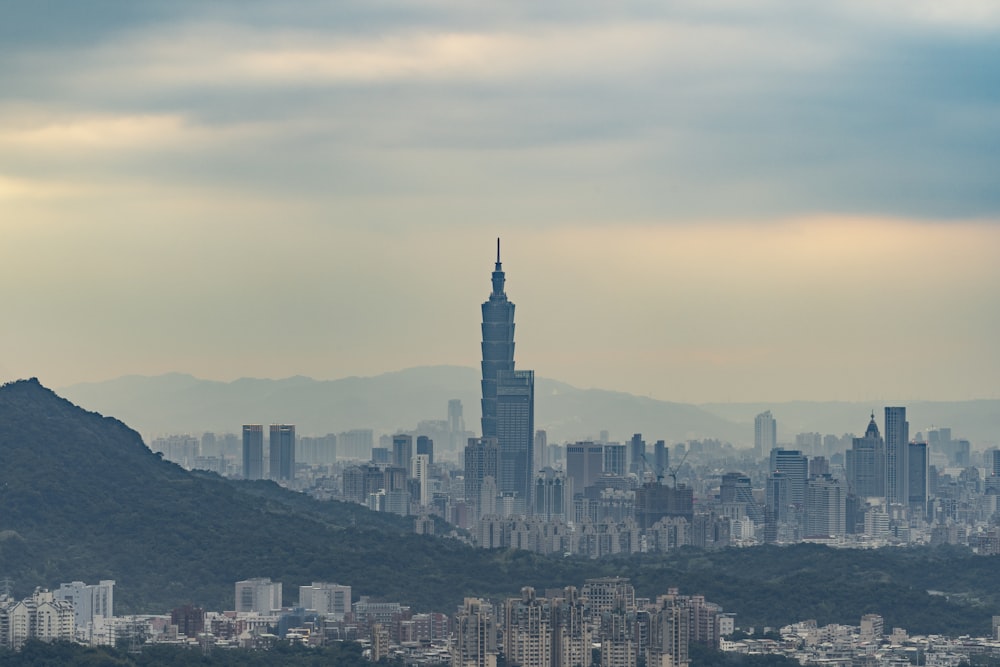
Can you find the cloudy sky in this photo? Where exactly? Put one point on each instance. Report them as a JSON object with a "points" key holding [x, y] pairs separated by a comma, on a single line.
{"points": [[699, 201]]}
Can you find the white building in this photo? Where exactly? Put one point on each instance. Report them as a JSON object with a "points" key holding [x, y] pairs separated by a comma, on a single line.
{"points": [[90, 603], [259, 595], [331, 600], [41, 616]]}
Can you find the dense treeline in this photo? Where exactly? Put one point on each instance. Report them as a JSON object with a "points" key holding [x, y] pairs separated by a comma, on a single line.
{"points": [[81, 498]]}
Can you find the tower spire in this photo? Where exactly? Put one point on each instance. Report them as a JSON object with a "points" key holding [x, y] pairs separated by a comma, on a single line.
{"points": [[498, 251]]}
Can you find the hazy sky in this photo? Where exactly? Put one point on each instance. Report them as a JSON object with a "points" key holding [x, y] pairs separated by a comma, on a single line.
{"points": [[699, 201]]}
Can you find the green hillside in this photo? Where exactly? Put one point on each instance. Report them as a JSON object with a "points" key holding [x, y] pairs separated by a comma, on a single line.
{"points": [[81, 498]]}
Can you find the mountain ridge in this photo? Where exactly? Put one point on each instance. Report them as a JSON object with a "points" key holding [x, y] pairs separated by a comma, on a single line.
{"points": [[398, 400]]}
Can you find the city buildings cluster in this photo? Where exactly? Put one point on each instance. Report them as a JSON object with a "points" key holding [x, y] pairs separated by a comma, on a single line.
{"points": [[508, 487], [867, 645]]}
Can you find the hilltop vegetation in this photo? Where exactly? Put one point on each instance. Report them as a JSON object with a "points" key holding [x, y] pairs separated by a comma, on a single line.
{"points": [[81, 498]]}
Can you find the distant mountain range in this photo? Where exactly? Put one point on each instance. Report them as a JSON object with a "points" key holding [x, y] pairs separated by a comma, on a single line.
{"points": [[176, 403]]}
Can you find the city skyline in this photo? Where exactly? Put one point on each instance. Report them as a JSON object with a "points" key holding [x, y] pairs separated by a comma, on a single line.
{"points": [[700, 203]]}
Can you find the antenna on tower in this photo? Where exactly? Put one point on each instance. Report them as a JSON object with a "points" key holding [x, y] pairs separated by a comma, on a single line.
{"points": [[498, 250]]}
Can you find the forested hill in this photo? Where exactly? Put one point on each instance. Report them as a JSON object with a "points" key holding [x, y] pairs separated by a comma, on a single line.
{"points": [[82, 498]]}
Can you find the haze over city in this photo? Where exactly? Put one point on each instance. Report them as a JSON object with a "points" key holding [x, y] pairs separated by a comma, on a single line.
{"points": [[700, 202]]}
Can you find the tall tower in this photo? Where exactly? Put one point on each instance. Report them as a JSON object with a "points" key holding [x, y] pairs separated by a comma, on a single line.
{"points": [[498, 346], [765, 434], [865, 463], [897, 436], [508, 397], [282, 453], [253, 451]]}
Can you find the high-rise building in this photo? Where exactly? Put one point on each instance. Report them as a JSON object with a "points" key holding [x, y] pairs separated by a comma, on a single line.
{"points": [[550, 495], [795, 466], [916, 479], [516, 434], [661, 459], [282, 451], [825, 507], [475, 635], [426, 446], [528, 630], [615, 460], [481, 461], [735, 487], [637, 454], [897, 436], [402, 452], [89, 601], [422, 473], [765, 434], [508, 397], [456, 425], [326, 599], [253, 451], [584, 464], [498, 346], [260, 595], [541, 450], [865, 464]]}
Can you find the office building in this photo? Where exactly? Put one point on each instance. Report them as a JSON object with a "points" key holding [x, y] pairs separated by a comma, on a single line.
{"points": [[825, 509], [916, 482], [897, 437], [426, 446], [497, 347], [282, 452], [253, 451], [326, 599], [550, 495], [795, 467], [584, 464], [661, 459], [614, 460], [865, 464], [402, 452], [765, 434], [422, 474], [482, 457], [541, 450], [515, 425], [735, 487], [637, 454], [89, 601], [259, 595]]}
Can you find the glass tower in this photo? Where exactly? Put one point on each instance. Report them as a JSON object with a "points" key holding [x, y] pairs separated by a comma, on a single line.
{"points": [[498, 346]]}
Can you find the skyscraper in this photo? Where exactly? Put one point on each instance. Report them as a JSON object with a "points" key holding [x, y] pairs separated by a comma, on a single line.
{"points": [[865, 464], [402, 452], [498, 346], [637, 454], [795, 467], [584, 464], [253, 451], [456, 425], [481, 456], [282, 451], [765, 434], [916, 477], [897, 436], [508, 400], [426, 446], [516, 434]]}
